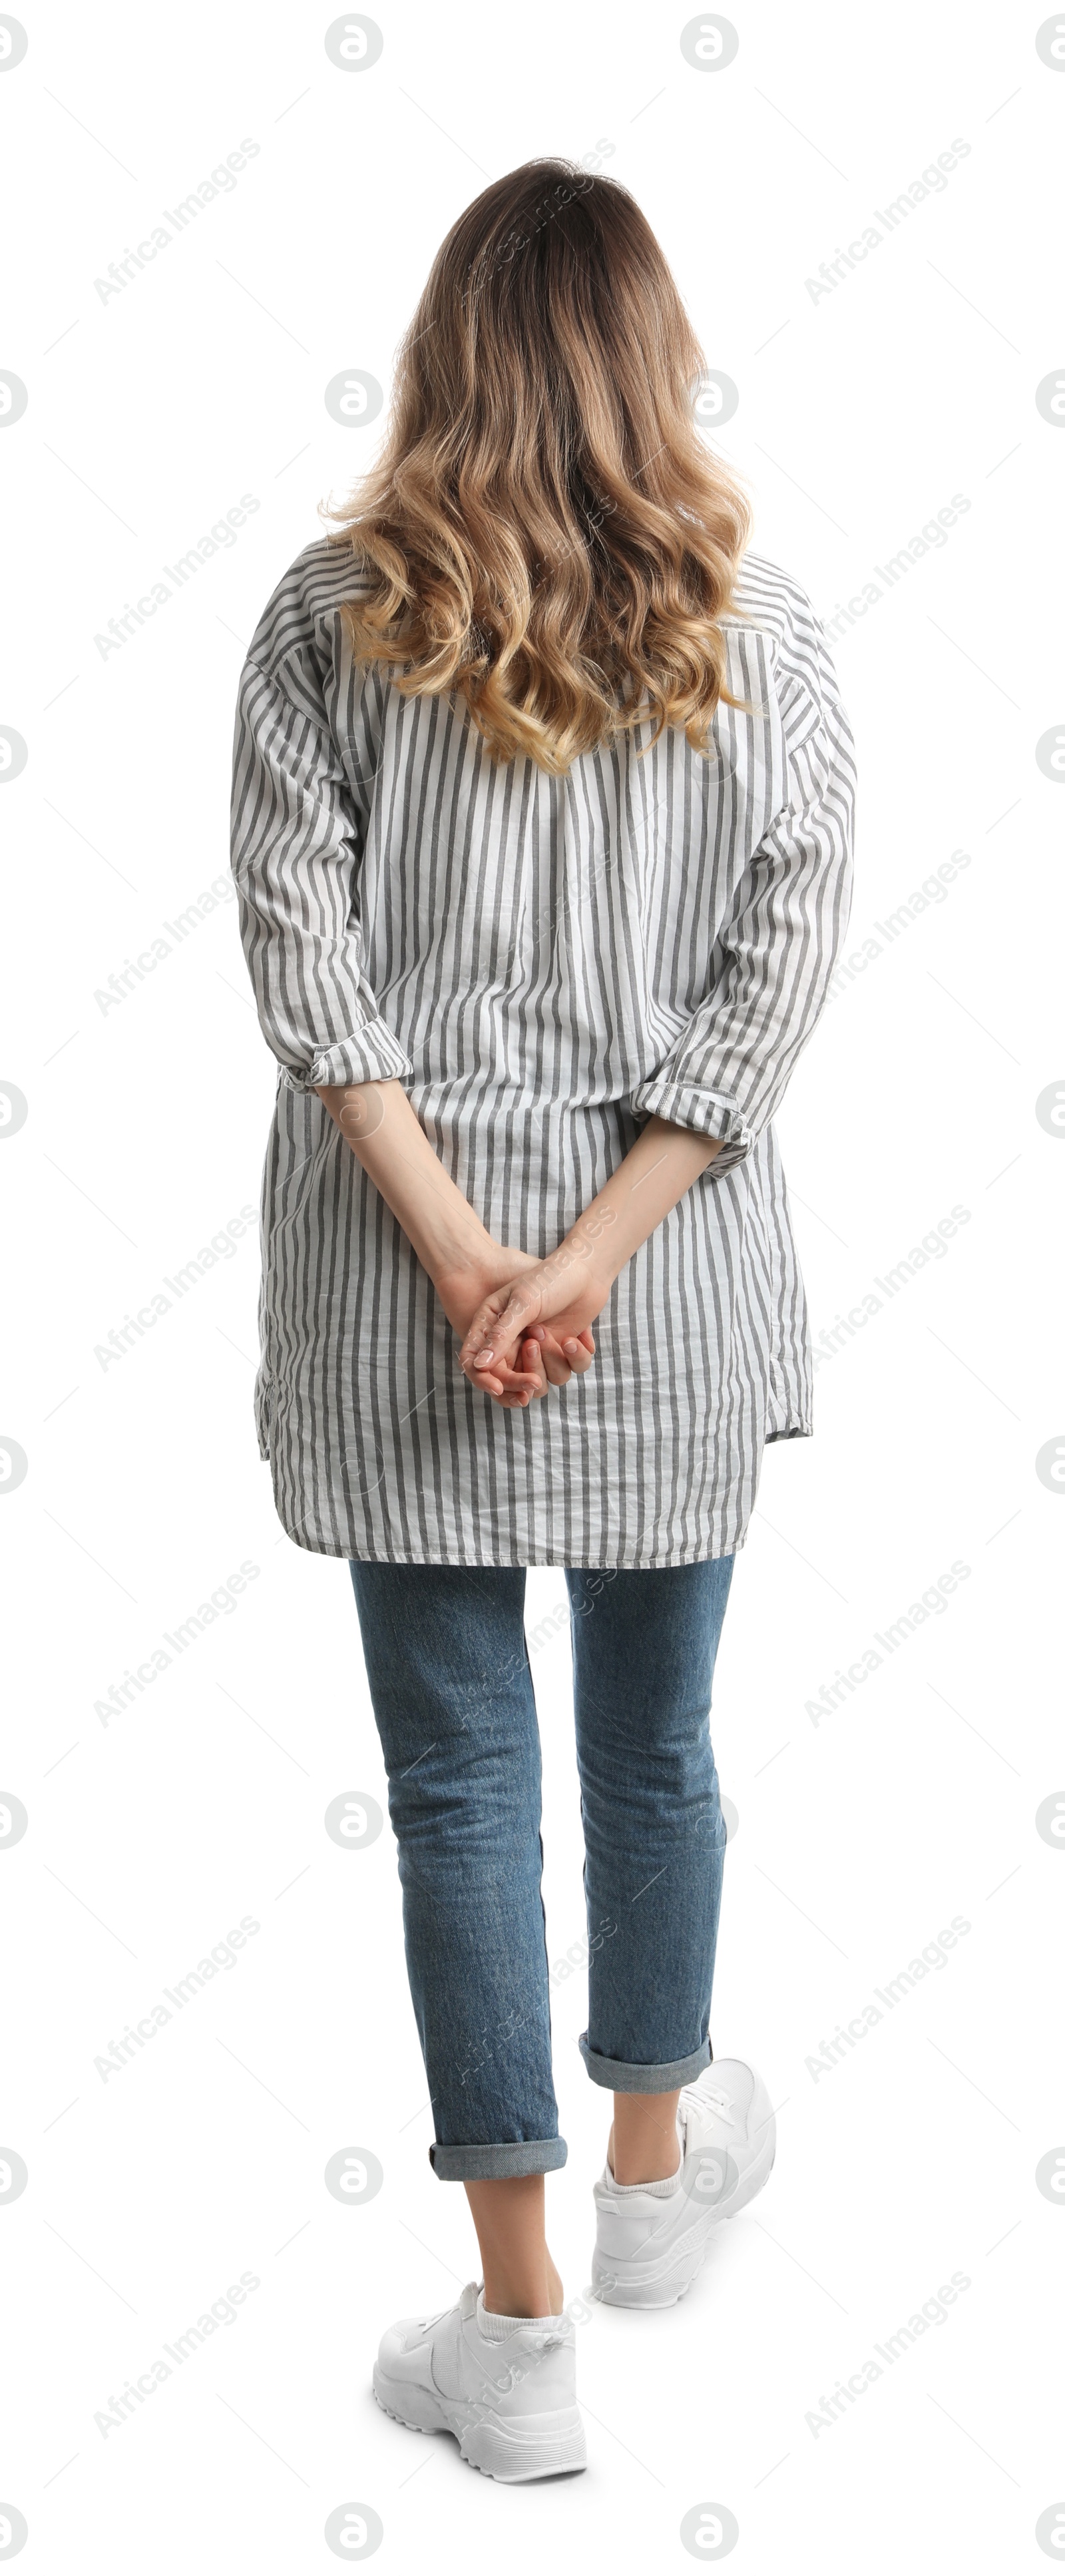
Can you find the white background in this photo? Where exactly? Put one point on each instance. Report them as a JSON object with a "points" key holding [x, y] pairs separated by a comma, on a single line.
{"points": [[860, 415]]}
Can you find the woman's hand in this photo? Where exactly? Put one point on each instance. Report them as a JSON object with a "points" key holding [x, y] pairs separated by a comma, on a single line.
{"points": [[552, 1303], [556, 1301], [536, 1359]]}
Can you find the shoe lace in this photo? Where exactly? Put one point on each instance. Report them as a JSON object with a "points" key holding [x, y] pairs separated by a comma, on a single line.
{"points": [[719, 2102]]}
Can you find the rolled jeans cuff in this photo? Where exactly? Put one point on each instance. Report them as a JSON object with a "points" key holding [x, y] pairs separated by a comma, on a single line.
{"points": [[497, 2164], [619, 2078]]}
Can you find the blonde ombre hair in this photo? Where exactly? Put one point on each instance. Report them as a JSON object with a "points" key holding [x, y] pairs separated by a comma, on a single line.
{"points": [[544, 533]]}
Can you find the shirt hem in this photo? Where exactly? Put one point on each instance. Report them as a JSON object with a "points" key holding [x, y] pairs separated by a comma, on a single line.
{"points": [[725, 1539], [701, 1551], [702, 1554]]}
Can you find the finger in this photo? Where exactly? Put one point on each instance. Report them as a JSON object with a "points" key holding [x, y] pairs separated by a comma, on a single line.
{"points": [[540, 1350], [480, 1351], [582, 1341], [488, 1349], [501, 1379], [557, 1368], [506, 1360], [491, 1354], [579, 1357], [525, 1381], [481, 1330], [511, 1367], [516, 1312], [534, 1366], [517, 1396]]}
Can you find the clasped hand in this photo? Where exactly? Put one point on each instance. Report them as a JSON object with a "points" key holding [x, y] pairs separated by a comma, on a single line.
{"points": [[525, 1322]]}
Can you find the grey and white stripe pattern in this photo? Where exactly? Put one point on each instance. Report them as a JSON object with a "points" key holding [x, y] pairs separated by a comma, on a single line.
{"points": [[543, 962]]}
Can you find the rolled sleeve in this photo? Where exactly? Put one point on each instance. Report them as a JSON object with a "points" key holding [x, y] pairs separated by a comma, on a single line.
{"points": [[377, 1056], [297, 835], [690, 1104], [727, 1072]]}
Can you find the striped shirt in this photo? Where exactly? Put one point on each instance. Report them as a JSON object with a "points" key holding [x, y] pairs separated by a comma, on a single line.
{"points": [[543, 962]]}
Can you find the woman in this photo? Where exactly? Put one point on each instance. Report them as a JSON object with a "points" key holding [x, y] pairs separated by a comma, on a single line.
{"points": [[542, 830]]}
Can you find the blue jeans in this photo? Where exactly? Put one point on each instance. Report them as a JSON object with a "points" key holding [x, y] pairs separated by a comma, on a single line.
{"points": [[452, 1693]]}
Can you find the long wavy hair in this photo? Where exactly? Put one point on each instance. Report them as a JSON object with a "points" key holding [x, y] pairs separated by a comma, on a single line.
{"points": [[544, 532]]}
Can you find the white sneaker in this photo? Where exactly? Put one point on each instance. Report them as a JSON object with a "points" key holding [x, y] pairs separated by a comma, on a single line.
{"points": [[511, 2403], [649, 2245]]}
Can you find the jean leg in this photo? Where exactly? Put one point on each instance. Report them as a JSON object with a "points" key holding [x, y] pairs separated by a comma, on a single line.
{"points": [[452, 1694], [644, 1644]]}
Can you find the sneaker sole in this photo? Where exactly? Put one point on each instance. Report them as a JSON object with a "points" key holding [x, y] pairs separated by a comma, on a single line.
{"points": [[659, 2284], [552, 2447]]}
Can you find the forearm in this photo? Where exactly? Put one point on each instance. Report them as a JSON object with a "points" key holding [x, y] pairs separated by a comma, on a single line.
{"points": [[655, 1173], [378, 1122], [570, 1288]]}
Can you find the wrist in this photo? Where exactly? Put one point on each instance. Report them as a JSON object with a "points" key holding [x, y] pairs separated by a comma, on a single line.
{"points": [[460, 1250], [595, 1241]]}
